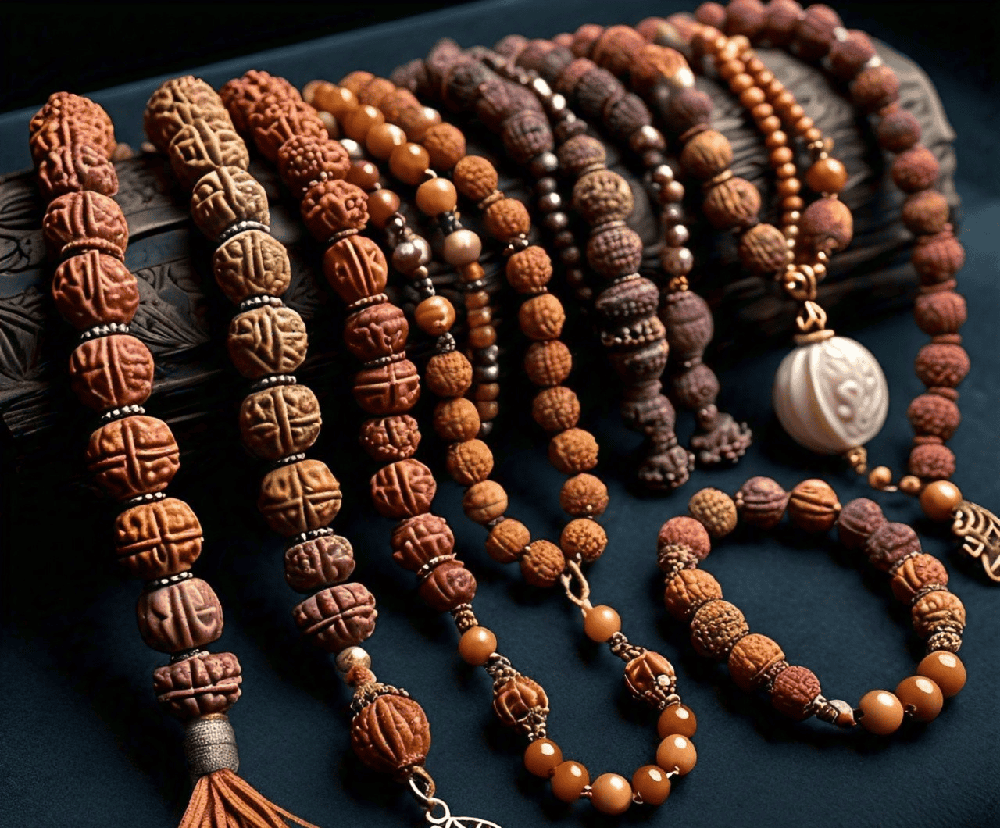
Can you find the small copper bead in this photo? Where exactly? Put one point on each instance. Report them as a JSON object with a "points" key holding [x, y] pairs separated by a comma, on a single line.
{"points": [[601, 622], [507, 541], [715, 510], [483, 336], [462, 247], [435, 315], [476, 646], [921, 698], [363, 174], [569, 780], [382, 205], [542, 563], [826, 176], [813, 506], [677, 718], [541, 757], [436, 196], [881, 712], [677, 753], [611, 794], [409, 162], [940, 499], [857, 521], [584, 495], [945, 669]]}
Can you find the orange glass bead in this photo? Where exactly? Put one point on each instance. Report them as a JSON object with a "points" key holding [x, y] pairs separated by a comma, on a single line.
{"points": [[652, 784], [601, 622], [944, 669], [358, 123], [476, 646], [568, 781], [409, 162], [881, 712], [752, 96], [611, 794], [677, 752], [827, 176], [382, 204], [940, 499], [788, 186], [477, 317], [921, 697], [435, 315], [363, 174], [483, 336], [542, 757], [336, 100], [436, 196], [677, 718], [383, 138]]}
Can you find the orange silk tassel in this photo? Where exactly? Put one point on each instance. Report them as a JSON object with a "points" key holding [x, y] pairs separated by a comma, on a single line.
{"points": [[224, 800]]}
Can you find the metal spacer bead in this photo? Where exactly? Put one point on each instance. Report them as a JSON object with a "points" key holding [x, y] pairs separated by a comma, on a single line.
{"points": [[240, 227], [424, 572], [365, 301], [485, 428], [354, 150], [445, 344], [476, 286], [491, 199], [120, 413], [487, 373], [840, 33], [289, 459], [169, 580], [210, 746], [259, 301], [340, 235], [273, 381], [312, 534], [872, 62], [104, 330], [138, 500], [184, 655]]}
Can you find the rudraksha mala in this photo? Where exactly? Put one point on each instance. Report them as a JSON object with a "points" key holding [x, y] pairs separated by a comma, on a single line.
{"points": [[719, 630], [280, 419], [686, 317], [133, 456]]}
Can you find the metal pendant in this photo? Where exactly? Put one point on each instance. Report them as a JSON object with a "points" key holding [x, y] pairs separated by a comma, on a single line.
{"points": [[980, 529], [436, 810]]}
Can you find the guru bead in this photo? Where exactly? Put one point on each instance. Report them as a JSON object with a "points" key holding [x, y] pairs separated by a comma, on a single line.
{"points": [[391, 734]]}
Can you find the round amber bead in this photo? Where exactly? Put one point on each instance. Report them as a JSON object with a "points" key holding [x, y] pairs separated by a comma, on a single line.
{"points": [[881, 712], [827, 176], [652, 784], [435, 315], [944, 669], [542, 757], [940, 499], [408, 163], [568, 781], [611, 794], [921, 697], [678, 753], [601, 622], [477, 645], [679, 719], [436, 196]]}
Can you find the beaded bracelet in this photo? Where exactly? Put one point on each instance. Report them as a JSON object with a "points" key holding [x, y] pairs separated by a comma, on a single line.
{"points": [[719, 630], [134, 457], [685, 315]]}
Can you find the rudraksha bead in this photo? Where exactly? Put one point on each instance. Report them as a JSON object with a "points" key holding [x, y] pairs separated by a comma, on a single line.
{"points": [[934, 415], [507, 541], [687, 109], [387, 389], [449, 374], [516, 698], [826, 226], [199, 148], [448, 586], [813, 505], [915, 574], [940, 608], [318, 563], [556, 408], [614, 251], [763, 250], [387, 439], [111, 372], [602, 196], [420, 539], [942, 365], [573, 451], [688, 531], [529, 270], [205, 684], [158, 539], [456, 420], [793, 692], [542, 563], [92, 288], [583, 538], [133, 456], [706, 155], [299, 497], [914, 170], [74, 168], [932, 461], [178, 102], [338, 617], [548, 363], [332, 206], [889, 544], [849, 56], [376, 331], [280, 421], [750, 660], [485, 501], [875, 88], [469, 462], [181, 616], [275, 120], [542, 317], [688, 590], [761, 502], [403, 489], [858, 521], [731, 203], [626, 299], [715, 510], [267, 340], [943, 312], [391, 734], [251, 263], [897, 130], [584, 495], [305, 159], [226, 196], [77, 222], [716, 626], [356, 268], [926, 213], [688, 321]]}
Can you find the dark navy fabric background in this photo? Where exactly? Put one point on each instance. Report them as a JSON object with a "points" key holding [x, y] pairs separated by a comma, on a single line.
{"points": [[82, 742]]}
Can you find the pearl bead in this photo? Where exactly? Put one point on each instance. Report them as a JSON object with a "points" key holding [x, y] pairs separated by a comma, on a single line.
{"points": [[462, 247], [476, 646], [678, 753], [601, 622], [611, 794], [677, 718], [881, 712], [541, 757], [945, 669], [652, 784], [921, 697], [831, 396], [568, 781], [940, 499]]}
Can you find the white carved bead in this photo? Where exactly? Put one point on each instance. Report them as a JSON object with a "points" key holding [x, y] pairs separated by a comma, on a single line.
{"points": [[831, 396]]}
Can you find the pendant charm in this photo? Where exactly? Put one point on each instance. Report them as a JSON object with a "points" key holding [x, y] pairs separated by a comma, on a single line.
{"points": [[980, 529], [831, 395], [436, 810]]}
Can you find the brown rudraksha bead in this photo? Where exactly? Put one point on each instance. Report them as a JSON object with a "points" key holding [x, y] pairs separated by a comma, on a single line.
{"points": [[337, 617], [573, 451], [448, 586], [556, 408], [916, 574], [858, 521], [92, 289], [508, 541], [615, 250], [376, 331], [391, 734], [356, 268], [333, 206], [583, 538], [761, 502], [179, 102], [456, 420], [940, 608], [111, 372], [387, 389], [751, 658], [449, 374], [305, 159], [251, 263], [403, 489], [688, 320], [515, 698], [826, 226], [421, 539], [548, 363], [181, 616], [942, 365], [77, 222], [275, 120], [643, 675], [74, 168], [889, 544], [716, 626], [485, 501], [731, 203], [241, 95], [813, 505], [322, 562], [133, 456], [793, 692], [715, 510], [225, 197], [267, 340], [688, 590], [280, 421], [584, 495], [542, 563], [469, 462], [388, 439], [205, 684], [688, 531], [299, 497], [943, 312], [938, 257], [763, 250], [154, 540]]}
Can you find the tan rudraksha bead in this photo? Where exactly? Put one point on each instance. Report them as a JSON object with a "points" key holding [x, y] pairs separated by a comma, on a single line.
{"points": [[251, 263], [688, 590], [267, 340], [917, 573], [751, 658], [181, 616], [516, 698], [203, 685], [356, 268], [178, 102], [556, 408], [583, 538], [548, 363], [542, 317], [92, 289], [449, 374], [584, 495], [403, 489], [304, 159], [226, 197], [485, 501], [940, 608], [715, 510], [388, 439], [74, 168], [456, 420], [508, 541], [475, 177], [200, 147], [716, 627], [469, 462], [813, 506], [111, 372], [339, 617], [573, 451], [280, 421], [542, 563], [275, 120], [299, 497], [64, 131], [154, 540], [529, 270], [133, 456], [77, 222], [391, 734], [324, 561], [387, 389]]}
